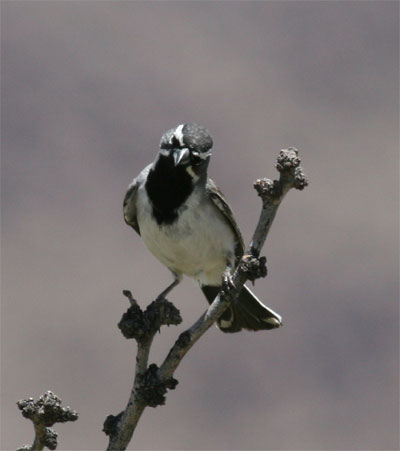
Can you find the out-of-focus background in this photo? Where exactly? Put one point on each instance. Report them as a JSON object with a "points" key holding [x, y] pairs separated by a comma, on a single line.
{"points": [[88, 88]]}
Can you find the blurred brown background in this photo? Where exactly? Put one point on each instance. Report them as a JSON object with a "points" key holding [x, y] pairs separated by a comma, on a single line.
{"points": [[88, 88]]}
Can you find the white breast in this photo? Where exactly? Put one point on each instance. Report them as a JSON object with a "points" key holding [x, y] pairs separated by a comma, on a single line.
{"points": [[198, 244]]}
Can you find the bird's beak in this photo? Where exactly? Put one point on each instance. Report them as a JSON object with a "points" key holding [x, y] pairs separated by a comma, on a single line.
{"points": [[181, 156]]}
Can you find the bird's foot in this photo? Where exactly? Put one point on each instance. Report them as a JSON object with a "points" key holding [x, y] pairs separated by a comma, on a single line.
{"points": [[227, 283], [254, 267]]}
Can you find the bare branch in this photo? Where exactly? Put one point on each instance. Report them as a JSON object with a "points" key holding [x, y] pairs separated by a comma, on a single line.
{"points": [[45, 412], [273, 192], [148, 389]]}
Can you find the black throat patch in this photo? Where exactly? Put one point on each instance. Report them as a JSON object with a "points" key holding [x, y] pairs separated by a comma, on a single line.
{"points": [[168, 187]]}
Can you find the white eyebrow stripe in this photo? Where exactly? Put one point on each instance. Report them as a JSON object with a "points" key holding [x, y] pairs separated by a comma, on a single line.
{"points": [[204, 155], [179, 134]]}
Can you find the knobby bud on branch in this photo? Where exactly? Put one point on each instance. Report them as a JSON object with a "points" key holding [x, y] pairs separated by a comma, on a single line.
{"points": [[45, 412]]}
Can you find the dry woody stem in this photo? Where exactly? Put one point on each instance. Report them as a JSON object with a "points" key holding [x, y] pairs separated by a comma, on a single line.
{"points": [[43, 413]]}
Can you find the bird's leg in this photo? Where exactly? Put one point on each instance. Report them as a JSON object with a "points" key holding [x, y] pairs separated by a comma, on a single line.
{"points": [[177, 280]]}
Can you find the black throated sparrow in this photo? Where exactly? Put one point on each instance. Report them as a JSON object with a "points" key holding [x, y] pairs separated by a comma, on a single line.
{"points": [[186, 223]]}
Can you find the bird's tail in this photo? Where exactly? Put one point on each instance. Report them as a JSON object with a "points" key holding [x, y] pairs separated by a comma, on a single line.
{"points": [[247, 312]]}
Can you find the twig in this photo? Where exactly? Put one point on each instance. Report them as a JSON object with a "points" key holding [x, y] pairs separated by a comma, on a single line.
{"points": [[147, 388], [151, 383], [45, 412]]}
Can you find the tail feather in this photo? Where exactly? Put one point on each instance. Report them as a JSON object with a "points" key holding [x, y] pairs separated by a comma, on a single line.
{"points": [[248, 312]]}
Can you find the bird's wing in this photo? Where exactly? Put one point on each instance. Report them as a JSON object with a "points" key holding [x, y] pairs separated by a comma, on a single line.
{"points": [[130, 206], [130, 214], [219, 201]]}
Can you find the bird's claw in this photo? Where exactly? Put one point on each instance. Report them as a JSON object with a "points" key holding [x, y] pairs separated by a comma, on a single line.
{"points": [[227, 283]]}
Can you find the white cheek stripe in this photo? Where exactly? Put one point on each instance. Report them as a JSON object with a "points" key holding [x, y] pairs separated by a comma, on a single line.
{"points": [[204, 155], [164, 152], [192, 174]]}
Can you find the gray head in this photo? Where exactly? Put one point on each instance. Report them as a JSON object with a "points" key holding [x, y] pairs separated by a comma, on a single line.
{"points": [[188, 144]]}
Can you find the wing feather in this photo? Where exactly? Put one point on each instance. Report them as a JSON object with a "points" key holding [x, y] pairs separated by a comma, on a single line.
{"points": [[130, 214], [219, 201]]}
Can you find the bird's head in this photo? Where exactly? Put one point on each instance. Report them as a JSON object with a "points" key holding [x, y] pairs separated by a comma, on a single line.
{"points": [[187, 145]]}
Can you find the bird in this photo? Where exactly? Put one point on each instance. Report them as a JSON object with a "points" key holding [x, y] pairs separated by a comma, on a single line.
{"points": [[186, 223]]}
